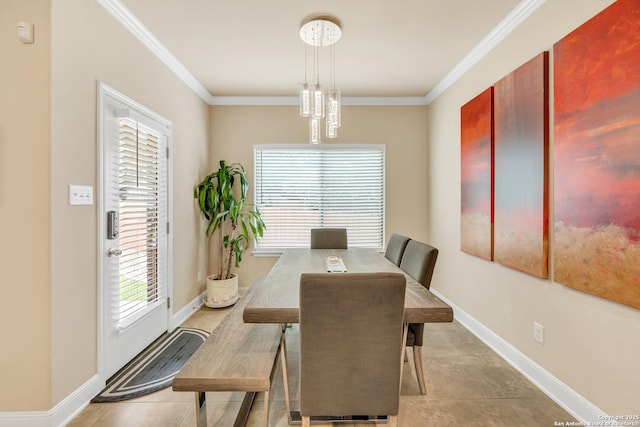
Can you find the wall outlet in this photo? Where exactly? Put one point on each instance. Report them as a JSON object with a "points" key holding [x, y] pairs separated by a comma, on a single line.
{"points": [[538, 332], [199, 277]]}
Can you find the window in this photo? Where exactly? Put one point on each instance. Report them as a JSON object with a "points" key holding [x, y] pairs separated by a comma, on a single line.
{"points": [[299, 187], [141, 209]]}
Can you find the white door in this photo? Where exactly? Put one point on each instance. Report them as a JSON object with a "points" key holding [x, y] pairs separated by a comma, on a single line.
{"points": [[134, 229]]}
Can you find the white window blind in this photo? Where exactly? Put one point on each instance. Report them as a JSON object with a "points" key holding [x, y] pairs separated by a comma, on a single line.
{"points": [[299, 187], [140, 225]]}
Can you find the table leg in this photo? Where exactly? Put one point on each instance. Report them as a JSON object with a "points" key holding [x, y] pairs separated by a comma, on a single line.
{"points": [[245, 409], [265, 413], [285, 376], [201, 409], [243, 413]]}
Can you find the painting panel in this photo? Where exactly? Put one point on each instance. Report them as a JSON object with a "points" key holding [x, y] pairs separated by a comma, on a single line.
{"points": [[521, 202], [597, 155], [476, 152]]}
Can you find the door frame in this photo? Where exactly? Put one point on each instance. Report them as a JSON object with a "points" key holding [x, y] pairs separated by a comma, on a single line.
{"points": [[104, 90]]}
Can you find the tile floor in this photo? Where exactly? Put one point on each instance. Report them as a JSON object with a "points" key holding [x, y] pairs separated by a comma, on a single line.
{"points": [[467, 385]]}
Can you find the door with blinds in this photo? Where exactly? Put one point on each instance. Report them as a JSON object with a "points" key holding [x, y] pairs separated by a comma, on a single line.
{"points": [[135, 303]]}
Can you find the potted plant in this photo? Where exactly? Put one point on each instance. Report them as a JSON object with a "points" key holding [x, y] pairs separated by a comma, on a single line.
{"points": [[236, 221]]}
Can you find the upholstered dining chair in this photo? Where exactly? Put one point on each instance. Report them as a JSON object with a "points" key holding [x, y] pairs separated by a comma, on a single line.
{"points": [[418, 261], [328, 238], [351, 344], [395, 248]]}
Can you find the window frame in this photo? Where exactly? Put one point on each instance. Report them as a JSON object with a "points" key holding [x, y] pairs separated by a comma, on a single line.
{"points": [[276, 251]]}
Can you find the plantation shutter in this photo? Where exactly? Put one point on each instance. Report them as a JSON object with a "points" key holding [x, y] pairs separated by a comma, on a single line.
{"points": [[142, 224], [299, 187]]}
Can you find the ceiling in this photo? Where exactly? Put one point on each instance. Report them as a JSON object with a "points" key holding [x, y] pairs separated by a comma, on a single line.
{"points": [[251, 48]]}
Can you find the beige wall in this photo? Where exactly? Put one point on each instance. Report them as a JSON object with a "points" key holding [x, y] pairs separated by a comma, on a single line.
{"points": [[591, 344], [107, 52], [25, 256], [234, 131], [48, 141]]}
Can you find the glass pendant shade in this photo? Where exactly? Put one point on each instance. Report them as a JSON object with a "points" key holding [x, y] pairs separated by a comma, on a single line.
{"points": [[314, 131], [305, 100], [332, 129], [318, 102], [334, 107]]}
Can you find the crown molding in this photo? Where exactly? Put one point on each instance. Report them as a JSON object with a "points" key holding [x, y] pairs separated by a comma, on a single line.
{"points": [[293, 100], [254, 100], [142, 33], [510, 22], [521, 12], [384, 100]]}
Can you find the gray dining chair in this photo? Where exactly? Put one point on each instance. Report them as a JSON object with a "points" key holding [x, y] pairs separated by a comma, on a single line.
{"points": [[351, 344], [418, 261], [328, 238], [395, 248]]}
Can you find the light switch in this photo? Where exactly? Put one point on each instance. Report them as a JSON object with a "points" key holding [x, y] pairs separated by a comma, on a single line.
{"points": [[80, 195]]}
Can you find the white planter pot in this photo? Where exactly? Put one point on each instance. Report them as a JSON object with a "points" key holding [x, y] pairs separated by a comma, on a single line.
{"points": [[221, 293]]}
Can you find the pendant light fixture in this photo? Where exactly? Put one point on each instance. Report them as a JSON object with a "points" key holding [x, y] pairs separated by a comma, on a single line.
{"points": [[318, 32]]}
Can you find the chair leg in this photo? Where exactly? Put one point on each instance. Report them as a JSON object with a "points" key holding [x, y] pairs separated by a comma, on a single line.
{"points": [[417, 360], [405, 331], [392, 421], [306, 421]]}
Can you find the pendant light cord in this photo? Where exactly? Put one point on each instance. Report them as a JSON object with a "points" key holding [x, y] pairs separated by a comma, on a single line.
{"points": [[316, 61], [305, 58]]}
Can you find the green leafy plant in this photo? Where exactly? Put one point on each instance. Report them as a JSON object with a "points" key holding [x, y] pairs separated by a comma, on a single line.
{"points": [[228, 212]]}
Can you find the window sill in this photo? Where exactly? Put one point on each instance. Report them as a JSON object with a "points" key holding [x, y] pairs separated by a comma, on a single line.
{"points": [[275, 253], [267, 253]]}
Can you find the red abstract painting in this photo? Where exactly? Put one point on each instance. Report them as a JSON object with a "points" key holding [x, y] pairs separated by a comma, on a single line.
{"points": [[476, 149], [597, 155], [521, 202]]}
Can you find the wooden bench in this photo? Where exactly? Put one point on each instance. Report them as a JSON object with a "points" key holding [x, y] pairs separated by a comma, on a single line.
{"points": [[237, 356]]}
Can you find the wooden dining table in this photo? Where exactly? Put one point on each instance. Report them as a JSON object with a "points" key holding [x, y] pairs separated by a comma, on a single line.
{"points": [[276, 299]]}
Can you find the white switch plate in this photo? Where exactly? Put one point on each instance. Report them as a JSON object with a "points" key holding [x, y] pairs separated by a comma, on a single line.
{"points": [[538, 332], [80, 195]]}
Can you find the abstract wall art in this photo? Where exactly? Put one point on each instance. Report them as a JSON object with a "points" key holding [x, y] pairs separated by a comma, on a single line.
{"points": [[597, 155], [476, 149], [521, 202]]}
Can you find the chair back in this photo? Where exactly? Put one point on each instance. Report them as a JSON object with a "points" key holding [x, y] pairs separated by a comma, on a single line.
{"points": [[328, 238], [351, 343], [395, 248], [418, 261]]}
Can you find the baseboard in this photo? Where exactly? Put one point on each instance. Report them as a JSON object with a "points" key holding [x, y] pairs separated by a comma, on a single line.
{"points": [[61, 414], [187, 311], [579, 407], [25, 419], [73, 404], [193, 306]]}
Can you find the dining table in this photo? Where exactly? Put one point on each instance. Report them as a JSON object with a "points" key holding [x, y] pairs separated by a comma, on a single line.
{"points": [[276, 298]]}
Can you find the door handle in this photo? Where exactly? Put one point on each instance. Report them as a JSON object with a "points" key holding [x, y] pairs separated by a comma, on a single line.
{"points": [[114, 252]]}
